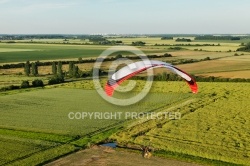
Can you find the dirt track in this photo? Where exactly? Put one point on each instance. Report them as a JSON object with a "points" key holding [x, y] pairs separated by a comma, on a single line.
{"points": [[102, 156]]}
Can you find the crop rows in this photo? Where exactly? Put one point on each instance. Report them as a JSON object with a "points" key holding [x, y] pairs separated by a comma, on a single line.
{"points": [[215, 125]]}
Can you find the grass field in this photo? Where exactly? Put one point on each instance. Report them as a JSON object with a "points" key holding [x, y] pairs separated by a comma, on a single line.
{"points": [[46, 52], [38, 119], [214, 126], [20, 52], [34, 52]]}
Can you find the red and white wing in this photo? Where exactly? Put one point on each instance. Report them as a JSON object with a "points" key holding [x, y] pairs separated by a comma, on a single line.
{"points": [[138, 67]]}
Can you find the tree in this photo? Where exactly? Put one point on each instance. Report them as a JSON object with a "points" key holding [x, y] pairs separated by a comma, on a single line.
{"points": [[60, 75], [75, 71], [167, 55], [59, 69], [25, 84], [71, 65], [54, 68], [118, 56], [207, 58], [248, 46], [27, 68], [55, 80], [37, 83], [34, 68], [80, 59]]}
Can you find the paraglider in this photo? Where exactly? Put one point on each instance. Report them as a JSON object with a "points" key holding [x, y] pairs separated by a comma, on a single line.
{"points": [[135, 68]]}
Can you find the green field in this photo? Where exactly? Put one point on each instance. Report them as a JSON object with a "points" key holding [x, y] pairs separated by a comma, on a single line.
{"points": [[214, 125], [48, 110], [38, 119], [20, 52], [46, 52]]}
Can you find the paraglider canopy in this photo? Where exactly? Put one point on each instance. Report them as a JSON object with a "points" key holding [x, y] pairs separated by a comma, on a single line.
{"points": [[135, 68]]}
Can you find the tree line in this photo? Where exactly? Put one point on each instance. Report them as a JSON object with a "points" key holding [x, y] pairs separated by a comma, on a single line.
{"points": [[138, 43], [212, 37], [183, 40], [174, 77], [187, 44], [167, 38]]}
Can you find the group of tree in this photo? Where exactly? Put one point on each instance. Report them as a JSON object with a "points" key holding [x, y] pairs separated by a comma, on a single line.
{"points": [[185, 61], [176, 48], [35, 83], [183, 40], [188, 44], [96, 38], [245, 48], [73, 70], [110, 42], [167, 38], [34, 69], [167, 55], [174, 77], [138, 43], [31, 68], [45, 36], [58, 75], [212, 37], [24, 84]]}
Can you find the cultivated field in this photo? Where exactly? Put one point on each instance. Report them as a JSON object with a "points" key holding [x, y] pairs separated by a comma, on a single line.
{"points": [[20, 52], [214, 125], [213, 129], [215, 66], [38, 119], [46, 52]]}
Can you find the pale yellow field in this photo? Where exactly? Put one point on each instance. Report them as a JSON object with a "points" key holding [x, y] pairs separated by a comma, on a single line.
{"points": [[213, 66], [230, 74], [16, 50], [245, 58]]}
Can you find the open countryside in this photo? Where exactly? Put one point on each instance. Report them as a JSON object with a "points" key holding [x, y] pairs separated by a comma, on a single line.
{"points": [[36, 129]]}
